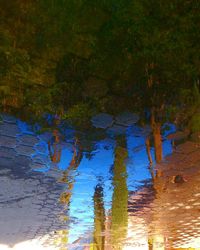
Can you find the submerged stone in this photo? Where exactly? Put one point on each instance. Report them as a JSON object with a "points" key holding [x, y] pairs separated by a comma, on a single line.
{"points": [[7, 152], [38, 166], [46, 136], [41, 148], [8, 141], [40, 158], [127, 119], [9, 129], [116, 130], [102, 120], [178, 179], [28, 140], [4, 161], [8, 118], [24, 150]]}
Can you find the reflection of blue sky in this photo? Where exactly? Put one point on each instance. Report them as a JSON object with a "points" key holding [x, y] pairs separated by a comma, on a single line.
{"points": [[93, 171], [66, 156], [24, 127], [137, 165], [90, 173]]}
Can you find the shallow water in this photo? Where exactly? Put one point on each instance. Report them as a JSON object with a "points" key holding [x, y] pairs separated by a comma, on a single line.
{"points": [[64, 189]]}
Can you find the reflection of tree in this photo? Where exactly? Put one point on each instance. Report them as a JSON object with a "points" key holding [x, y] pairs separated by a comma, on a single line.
{"points": [[67, 175], [99, 219], [157, 240], [69, 180], [157, 139], [62, 239], [53, 144], [156, 129], [54, 147], [120, 197], [148, 149]]}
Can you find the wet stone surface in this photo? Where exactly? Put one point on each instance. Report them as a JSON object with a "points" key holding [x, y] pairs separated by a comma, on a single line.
{"points": [[9, 129], [7, 141], [168, 208], [52, 199], [29, 201], [28, 140]]}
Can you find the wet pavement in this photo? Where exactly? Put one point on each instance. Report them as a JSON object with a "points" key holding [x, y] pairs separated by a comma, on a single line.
{"points": [[54, 195], [29, 207], [169, 210]]}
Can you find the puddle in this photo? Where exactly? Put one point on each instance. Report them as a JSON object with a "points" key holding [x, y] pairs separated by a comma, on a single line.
{"points": [[80, 192]]}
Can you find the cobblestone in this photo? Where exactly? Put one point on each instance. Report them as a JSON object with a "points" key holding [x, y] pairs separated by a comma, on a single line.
{"points": [[28, 200], [30, 213], [28, 140], [7, 141], [9, 129], [24, 150]]}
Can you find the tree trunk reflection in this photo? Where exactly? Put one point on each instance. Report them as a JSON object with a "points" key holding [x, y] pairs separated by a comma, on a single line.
{"points": [[119, 213], [99, 219]]}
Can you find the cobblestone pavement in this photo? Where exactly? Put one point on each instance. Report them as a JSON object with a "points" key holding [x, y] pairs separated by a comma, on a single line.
{"points": [[168, 213], [165, 214], [30, 213]]}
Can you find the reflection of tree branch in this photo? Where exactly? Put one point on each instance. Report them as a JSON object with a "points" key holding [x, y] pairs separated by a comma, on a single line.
{"points": [[16, 199], [99, 219], [119, 211], [156, 127], [75, 161], [73, 165], [148, 149], [54, 150]]}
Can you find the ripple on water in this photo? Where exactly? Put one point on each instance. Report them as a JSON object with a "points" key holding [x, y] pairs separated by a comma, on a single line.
{"points": [[102, 199]]}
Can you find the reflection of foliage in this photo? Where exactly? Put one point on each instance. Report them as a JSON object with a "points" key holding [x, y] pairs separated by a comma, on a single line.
{"points": [[66, 178], [120, 198], [99, 219], [108, 54], [61, 239], [191, 96], [65, 197], [188, 115], [69, 181], [79, 114], [195, 123]]}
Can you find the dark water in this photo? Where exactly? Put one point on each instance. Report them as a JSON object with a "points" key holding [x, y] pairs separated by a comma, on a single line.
{"points": [[100, 189]]}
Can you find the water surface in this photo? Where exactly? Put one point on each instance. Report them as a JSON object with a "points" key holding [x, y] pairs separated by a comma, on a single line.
{"points": [[109, 188]]}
